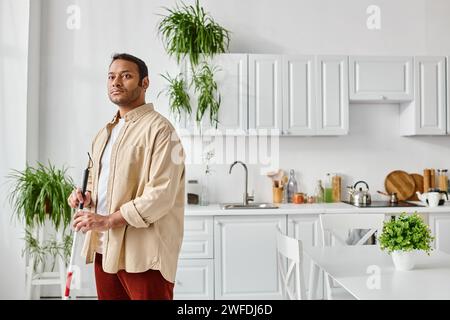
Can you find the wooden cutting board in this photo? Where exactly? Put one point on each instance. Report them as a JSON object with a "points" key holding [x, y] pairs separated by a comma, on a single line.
{"points": [[418, 179], [400, 182]]}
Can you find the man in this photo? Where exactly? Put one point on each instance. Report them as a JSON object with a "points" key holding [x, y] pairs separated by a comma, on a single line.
{"points": [[135, 196]]}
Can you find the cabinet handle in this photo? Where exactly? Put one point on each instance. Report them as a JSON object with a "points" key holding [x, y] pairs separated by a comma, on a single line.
{"points": [[179, 283], [384, 97], [218, 223]]}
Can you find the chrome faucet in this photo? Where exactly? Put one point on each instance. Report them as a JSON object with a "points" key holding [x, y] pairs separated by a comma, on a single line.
{"points": [[246, 197]]}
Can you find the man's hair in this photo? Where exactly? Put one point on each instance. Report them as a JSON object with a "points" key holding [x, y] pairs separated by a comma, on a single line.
{"points": [[143, 70]]}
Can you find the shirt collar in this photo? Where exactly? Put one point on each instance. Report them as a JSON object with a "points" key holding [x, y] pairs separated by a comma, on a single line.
{"points": [[134, 114]]}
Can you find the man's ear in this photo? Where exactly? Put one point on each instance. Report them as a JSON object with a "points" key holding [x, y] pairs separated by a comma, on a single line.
{"points": [[145, 83]]}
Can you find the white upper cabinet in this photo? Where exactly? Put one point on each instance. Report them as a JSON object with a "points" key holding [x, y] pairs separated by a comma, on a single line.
{"points": [[448, 94], [381, 79], [232, 81], [299, 95], [265, 91], [426, 115], [332, 95]]}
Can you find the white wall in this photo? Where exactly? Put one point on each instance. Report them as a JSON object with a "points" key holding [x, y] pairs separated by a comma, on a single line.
{"points": [[14, 15], [74, 63]]}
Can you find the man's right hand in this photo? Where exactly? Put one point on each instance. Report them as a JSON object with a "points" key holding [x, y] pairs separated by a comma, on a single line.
{"points": [[76, 197]]}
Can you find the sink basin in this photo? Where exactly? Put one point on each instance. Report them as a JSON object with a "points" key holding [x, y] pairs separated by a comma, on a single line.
{"points": [[229, 206]]}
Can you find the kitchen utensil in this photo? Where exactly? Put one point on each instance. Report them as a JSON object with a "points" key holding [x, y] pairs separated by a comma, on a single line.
{"points": [[434, 197], [273, 176], [426, 180], [400, 182], [418, 180], [392, 196], [359, 196], [70, 268]]}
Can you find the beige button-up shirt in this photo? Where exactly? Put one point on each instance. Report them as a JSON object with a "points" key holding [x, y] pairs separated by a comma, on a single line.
{"points": [[146, 182]]}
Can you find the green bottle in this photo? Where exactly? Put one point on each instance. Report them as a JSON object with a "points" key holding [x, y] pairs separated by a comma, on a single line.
{"points": [[328, 189]]}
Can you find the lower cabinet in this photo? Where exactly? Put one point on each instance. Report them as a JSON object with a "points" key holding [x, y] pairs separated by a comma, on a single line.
{"points": [[245, 257], [194, 280], [440, 229]]}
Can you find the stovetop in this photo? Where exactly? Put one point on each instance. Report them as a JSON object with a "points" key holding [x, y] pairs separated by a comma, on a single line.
{"points": [[385, 204]]}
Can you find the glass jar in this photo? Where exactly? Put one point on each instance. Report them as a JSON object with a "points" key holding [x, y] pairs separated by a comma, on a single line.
{"points": [[319, 192], [442, 179], [328, 196], [193, 192]]}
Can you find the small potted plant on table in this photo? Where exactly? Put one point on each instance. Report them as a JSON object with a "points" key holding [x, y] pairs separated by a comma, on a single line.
{"points": [[403, 236]]}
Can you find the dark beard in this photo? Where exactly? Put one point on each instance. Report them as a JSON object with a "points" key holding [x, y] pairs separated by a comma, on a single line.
{"points": [[128, 99]]}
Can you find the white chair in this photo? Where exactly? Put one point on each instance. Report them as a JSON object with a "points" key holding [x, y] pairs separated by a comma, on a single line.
{"points": [[335, 228], [290, 267]]}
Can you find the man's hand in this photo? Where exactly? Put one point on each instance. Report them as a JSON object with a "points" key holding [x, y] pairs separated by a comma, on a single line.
{"points": [[76, 197], [85, 221]]}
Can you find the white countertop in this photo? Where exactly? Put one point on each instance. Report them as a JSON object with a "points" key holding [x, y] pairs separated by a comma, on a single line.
{"points": [[316, 208]]}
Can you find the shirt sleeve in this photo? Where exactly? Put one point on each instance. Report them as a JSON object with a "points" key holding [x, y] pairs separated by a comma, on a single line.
{"points": [[165, 178]]}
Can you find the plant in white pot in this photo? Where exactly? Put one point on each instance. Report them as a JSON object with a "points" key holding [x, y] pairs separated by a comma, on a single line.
{"points": [[403, 236]]}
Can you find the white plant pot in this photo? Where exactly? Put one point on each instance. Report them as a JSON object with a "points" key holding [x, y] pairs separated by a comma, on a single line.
{"points": [[403, 260]]}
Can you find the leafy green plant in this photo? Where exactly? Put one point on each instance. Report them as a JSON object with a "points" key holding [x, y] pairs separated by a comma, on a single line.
{"points": [[179, 99], [41, 192], [209, 97], [406, 233], [49, 249], [188, 30]]}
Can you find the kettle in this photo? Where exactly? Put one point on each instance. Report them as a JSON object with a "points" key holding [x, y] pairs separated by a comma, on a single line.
{"points": [[359, 197], [434, 197]]}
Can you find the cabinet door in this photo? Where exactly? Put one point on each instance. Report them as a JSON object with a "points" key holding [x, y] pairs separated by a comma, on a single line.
{"points": [[430, 94], [332, 87], [448, 93], [381, 79], [426, 115], [232, 81], [299, 95], [194, 280], [198, 238], [265, 94], [440, 229], [307, 229], [246, 257]]}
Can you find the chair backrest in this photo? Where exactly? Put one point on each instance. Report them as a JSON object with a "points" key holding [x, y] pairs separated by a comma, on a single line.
{"points": [[338, 226], [290, 267]]}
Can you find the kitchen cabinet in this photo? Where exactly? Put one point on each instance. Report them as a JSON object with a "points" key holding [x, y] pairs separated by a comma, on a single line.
{"points": [[333, 104], [381, 79], [194, 280], [315, 95], [307, 229], [232, 82], [447, 60], [426, 115], [245, 257], [265, 92], [299, 95], [440, 228], [195, 273]]}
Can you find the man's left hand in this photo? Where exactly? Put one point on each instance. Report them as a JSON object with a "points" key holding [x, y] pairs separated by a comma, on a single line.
{"points": [[85, 221]]}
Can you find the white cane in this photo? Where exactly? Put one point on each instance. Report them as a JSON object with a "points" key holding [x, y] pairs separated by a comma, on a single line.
{"points": [[72, 252]]}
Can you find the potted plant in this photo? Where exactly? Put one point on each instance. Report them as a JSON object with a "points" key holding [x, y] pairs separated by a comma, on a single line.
{"points": [[403, 236], [40, 194], [188, 32]]}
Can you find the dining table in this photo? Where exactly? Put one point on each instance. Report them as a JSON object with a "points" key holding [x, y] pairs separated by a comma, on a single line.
{"points": [[368, 273]]}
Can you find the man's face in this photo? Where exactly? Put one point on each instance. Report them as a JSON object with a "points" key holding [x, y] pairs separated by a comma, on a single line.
{"points": [[123, 83]]}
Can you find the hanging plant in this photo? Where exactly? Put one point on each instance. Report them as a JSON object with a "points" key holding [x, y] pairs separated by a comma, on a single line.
{"points": [[208, 96], [189, 31], [179, 99]]}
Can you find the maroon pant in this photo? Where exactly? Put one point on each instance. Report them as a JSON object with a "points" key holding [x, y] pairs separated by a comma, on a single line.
{"points": [[148, 285]]}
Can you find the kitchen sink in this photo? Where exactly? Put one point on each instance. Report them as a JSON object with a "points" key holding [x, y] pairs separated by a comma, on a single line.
{"points": [[229, 206]]}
